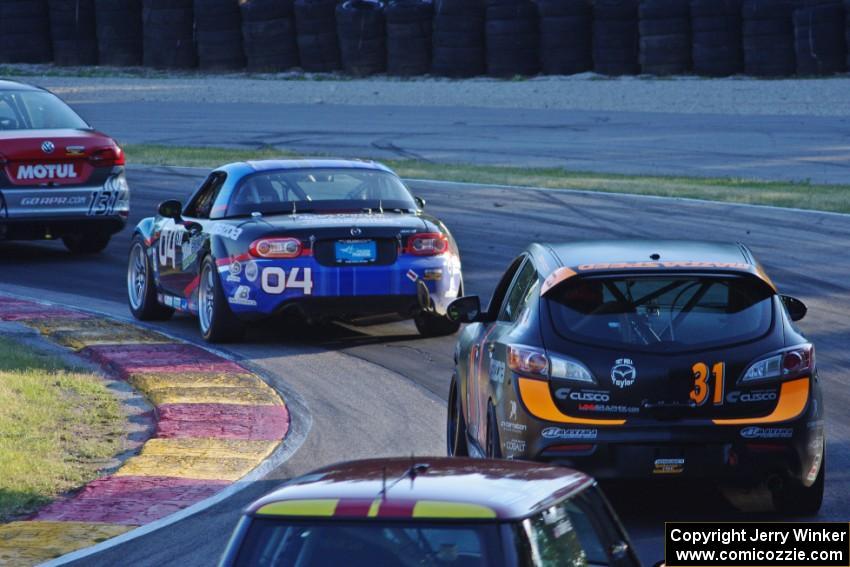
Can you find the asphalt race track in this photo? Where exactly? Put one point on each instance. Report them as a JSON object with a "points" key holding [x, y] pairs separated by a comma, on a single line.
{"points": [[381, 390], [768, 147]]}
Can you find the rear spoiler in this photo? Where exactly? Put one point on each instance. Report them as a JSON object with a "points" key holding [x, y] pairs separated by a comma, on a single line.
{"points": [[560, 275]]}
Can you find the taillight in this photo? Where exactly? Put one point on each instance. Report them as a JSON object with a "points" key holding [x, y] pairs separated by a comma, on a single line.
{"points": [[276, 248], [427, 244], [529, 360], [107, 157], [783, 364]]}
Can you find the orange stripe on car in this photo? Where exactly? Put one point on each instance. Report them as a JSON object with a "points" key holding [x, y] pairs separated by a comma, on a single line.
{"points": [[555, 278], [538, 400], [793, 397]]}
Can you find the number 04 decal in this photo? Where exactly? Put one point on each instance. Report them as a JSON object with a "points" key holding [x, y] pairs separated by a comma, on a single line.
{"points": [[274, 280], [702, 384]]}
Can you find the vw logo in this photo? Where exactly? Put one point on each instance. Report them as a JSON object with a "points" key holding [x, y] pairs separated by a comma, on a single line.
{"points": [[623, 373], [47, 147], [356, 231]]}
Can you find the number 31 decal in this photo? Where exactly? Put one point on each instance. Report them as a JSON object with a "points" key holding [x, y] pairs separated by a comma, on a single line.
{"points": [[703, 382]]}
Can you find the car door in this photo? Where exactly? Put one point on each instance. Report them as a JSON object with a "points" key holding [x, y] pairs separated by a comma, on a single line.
{"points": [[180, 241], [480, 332], [491, 369]]}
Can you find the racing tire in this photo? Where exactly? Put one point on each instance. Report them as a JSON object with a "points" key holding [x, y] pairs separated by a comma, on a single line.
{"points": [[795, 499], [432, 325], [456, 444], [141, 287], [494, 446], [217, 322], [86, 243]]}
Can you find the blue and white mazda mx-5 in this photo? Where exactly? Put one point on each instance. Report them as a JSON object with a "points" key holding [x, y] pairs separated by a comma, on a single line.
{"points": [[318, 239]]}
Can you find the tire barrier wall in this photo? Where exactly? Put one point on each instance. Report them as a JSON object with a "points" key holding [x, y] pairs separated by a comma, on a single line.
{"points": [[566, 36], [268, 35], [24, 31], [118, 28], [218, 30], [615, 37], [72, 32], [361, 31], [665, 37], [450, 38], [315, 28], [458, 41], [169, 36], [409, 37]]}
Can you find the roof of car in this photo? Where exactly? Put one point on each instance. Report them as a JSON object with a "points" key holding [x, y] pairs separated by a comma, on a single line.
{"points": [[423, 489], [560, 262], [6, 85], [628, 251], [310, 163]]}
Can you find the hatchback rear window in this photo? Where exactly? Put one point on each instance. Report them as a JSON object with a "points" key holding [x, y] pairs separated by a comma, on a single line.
{"points": [[271, 543], [662, 313]]}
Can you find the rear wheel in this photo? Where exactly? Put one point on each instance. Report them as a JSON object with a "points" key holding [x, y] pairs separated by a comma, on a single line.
{"points": [[494, 446], [794, 499], [141, 287], [218, 323], [91, 243], [455, 424]]}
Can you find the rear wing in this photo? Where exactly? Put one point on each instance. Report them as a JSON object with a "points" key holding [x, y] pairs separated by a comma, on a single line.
{"points": [[561, 275]]}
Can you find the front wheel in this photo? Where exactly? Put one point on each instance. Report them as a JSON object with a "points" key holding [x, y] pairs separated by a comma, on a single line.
{"points": [[218, 323], [433, 325], [455, 424], [794, 499], [91, 243], [141, 286]]}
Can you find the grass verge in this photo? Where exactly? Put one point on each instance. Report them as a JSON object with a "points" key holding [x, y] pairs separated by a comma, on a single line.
{"points": [[799, 194], [58, 426]]}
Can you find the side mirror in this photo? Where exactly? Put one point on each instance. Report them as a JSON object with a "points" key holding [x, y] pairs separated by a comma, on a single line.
{"points": [[420, 201], [170, 209], [465, 309], [796, 308]]}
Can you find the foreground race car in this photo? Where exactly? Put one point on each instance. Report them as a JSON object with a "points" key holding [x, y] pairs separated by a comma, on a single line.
{"points": [[317, 239], [433, 512], [59, 177], [637, 359]]}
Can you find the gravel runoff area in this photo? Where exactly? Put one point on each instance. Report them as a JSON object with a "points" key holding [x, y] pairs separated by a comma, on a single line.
{"points": [[587, 92]]}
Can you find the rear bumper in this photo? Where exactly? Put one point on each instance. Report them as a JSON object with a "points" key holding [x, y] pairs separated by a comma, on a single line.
{"points": [[264, 288], [41, 212], [641, 448]]}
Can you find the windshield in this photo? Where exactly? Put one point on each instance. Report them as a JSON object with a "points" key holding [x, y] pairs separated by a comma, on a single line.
{"points": [[366, 544], [320, 190], [662, 313], [36, 110]]}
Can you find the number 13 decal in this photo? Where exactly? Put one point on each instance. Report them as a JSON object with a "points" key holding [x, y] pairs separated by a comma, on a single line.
{"points": [[702, 385]]}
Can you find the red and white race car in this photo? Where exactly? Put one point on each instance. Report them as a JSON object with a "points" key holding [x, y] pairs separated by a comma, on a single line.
{"points": [[59, 178]]}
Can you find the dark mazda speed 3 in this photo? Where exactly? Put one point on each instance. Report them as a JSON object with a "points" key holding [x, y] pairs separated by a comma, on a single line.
{"points": [[632, 359]]}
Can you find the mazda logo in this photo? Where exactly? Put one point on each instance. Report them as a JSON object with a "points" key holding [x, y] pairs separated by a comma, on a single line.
{"points": [[356, 231], [47, 147], [623, 373]]}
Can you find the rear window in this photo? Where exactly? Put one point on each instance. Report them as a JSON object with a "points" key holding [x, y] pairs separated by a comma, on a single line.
{"points": [[36, 110], [366, 544], [320, 190], [662, 313]]}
